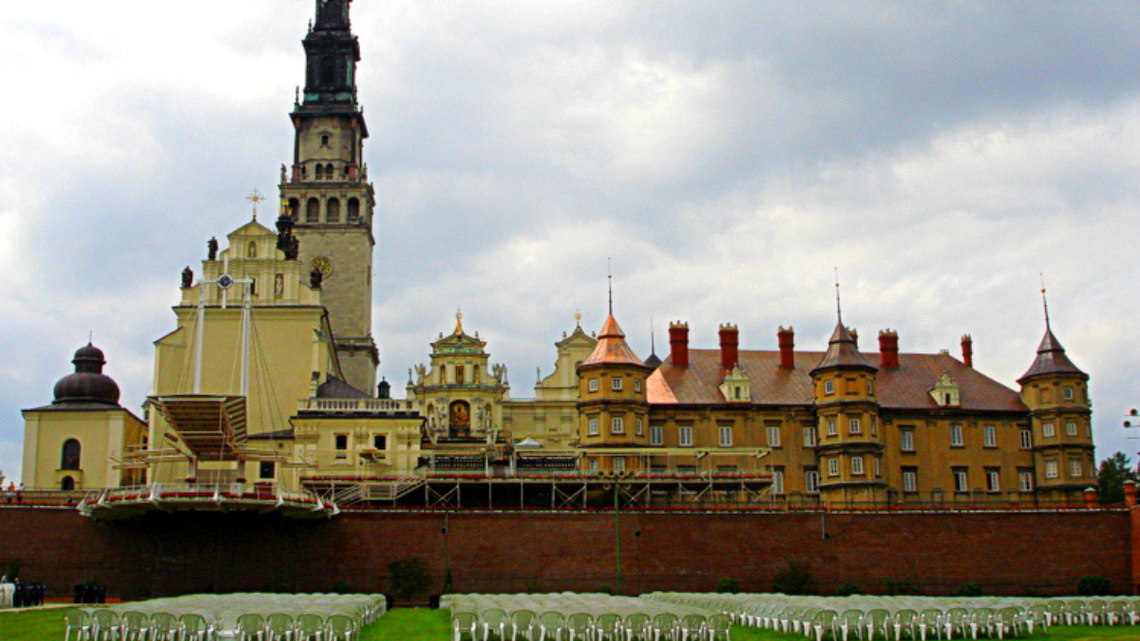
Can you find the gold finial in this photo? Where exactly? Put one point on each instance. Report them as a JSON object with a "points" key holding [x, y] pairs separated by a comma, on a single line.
{"points": [[255, 198], [578, 318], [458, 322]]}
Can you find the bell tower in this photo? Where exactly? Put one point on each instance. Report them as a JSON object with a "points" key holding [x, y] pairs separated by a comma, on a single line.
{"points": [[326, 192]]}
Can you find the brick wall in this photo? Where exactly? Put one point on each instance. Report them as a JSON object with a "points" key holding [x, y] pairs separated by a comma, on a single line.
{"points": [[160, 554]]}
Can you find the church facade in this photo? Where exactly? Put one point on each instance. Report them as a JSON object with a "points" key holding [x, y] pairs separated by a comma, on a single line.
{"points": [[269, 380]]}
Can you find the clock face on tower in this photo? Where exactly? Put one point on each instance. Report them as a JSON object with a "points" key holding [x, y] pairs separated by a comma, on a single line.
{"points": [[324, 264]]}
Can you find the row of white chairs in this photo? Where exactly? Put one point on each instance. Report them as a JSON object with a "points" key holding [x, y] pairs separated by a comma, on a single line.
{"points": [[106, 625]]}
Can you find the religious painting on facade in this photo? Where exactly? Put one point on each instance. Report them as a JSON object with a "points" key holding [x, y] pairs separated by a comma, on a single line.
{"points": [[460, 418]]}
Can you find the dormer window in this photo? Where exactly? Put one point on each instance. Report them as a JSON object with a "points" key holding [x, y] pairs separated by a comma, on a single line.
{"points": [[946, 392], [735, 387]]}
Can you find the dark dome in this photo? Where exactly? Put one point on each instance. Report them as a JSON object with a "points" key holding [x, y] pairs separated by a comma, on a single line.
{"points": [[88, 384]]}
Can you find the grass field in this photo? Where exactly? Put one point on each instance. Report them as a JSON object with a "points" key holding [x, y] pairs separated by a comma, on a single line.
{"points": [[403, 624]]}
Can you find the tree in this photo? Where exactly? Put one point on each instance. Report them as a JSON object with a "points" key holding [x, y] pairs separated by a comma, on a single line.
{"points": [[1114, 471], [408, 578]]}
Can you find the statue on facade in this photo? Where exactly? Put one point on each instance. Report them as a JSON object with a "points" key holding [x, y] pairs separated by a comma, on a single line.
{"points": [[315, 278], [187, 277], [212, 249]]}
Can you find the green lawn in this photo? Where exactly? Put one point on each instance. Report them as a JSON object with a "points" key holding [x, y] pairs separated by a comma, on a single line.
{"points": [[404, 624]]}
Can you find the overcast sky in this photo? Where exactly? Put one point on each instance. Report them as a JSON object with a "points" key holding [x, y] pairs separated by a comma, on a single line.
{"points": [[727, 155]]}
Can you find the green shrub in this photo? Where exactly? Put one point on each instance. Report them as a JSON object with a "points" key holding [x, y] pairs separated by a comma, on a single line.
{"points": [[342, 587], [534, 587], [848, 589], [969, 588], [908, 585], [797, 578], [1093, 585], [408, 578], [604, 589], [727, 586], [447, 588]]}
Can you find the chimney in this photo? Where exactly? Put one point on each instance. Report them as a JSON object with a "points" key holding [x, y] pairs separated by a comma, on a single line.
{"points": [[854, 335], [967, 350], [679, 344], [787, 339], [1130, 493], [889, 349], [729, 346], [1091, 501]]}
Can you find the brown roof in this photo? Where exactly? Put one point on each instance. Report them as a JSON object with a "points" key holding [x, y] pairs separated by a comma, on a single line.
{"points": [[907, 387], [1051, 359], [612, 348], [842, 352]]}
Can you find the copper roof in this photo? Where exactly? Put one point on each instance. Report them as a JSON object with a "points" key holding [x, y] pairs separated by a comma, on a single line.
{"points": [[907, 387], [1051, 359], [612, 348], [842, 352]]}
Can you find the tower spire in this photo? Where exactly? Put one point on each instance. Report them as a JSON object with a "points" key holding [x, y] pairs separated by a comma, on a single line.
{"points": [[610, 277], [838, 306], [1045, 301]]}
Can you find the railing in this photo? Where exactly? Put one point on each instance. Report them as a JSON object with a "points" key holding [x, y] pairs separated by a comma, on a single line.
{"points": [[355, 405], [214, 493]]}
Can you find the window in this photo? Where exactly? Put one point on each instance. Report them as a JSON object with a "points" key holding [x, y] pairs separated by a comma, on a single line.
{"points": [[778, 481], [68, 484], [809, 436], [341, 446], [874, 427], [332, 210], [1047, 430], [870, 387], [353, 209], [637, 385], [853, 425], [266, 470], [993, 480], [1026, 439], [685, 435], [833, 467], [906, 440], [1067, 393], [69, 460], [876, 467], [617, 425], [619, 463], [910, 480], [961, 481], [593, 384], [956, 436], [773, 436], [313, 210], [856, 464], [656, 435], [593, 465], [1025, 480], [460, 375], [380, 442], [829, 387], [324, 140], [989, 436], [725, 436], [811, 481], [640, 427], [1074, 468], [592, 427], [615, 383], [831, 431], [443, 374], [1071, 428], [1050, 469]]}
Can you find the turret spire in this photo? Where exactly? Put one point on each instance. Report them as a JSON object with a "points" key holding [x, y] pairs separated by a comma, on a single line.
{"points": [[1045, 302], [838, 305]]}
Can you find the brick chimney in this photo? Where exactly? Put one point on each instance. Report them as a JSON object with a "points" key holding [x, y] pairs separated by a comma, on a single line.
{"points": [[889, 349], [787, 339], [679, 344], [729, 346], [967, 350], [1130, 493]]}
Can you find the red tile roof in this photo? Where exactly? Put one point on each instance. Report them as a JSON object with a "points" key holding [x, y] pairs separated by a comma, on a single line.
{"points": [[907, 387]]}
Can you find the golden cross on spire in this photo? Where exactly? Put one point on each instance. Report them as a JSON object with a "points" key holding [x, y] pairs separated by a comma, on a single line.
{"points": [[255, 198]]}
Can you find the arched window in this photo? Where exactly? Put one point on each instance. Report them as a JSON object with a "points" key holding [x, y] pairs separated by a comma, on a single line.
{"points": [[68, 484], [327, 72], [313, 211], [353, 210], [70, 458], [332, 211], [294, 208], [252, 252], [329, 171], [443, 374], [320, 172]]}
